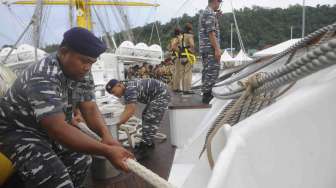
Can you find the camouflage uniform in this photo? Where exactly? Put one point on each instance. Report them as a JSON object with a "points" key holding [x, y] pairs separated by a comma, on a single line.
{"points": [[156, 95], [167, 74], [208, 22], [43, 90]]}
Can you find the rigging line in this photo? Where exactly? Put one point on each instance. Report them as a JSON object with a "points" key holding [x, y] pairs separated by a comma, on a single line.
{"points": [[18, 40], [107, 19], [47, 26], [18, 19], [118, 20], [180, 8], [110, 40], [158, 34], [125, 20], [46, 21], [141, 31], [6, 37], [151, 35], [70, 12], [238, 32]]}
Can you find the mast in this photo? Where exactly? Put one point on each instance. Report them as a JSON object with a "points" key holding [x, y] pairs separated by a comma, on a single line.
{"points": [[231, 39], [303, 18], [83, 13], [83, 7], [37, 26]]}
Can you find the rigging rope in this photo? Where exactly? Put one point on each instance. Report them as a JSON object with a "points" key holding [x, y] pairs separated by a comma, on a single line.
{"points": [[308, 39], [238, 110], [238, 32], [256, 86]]}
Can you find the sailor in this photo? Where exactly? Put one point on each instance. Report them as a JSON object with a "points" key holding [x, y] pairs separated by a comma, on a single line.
{"points": [[167, 70], [151, 92], [187, 59], [174, 50], [35, 116], [209, 47]]}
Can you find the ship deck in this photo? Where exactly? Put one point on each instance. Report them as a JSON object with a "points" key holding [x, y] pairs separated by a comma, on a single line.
{"points": [[160, 161]]}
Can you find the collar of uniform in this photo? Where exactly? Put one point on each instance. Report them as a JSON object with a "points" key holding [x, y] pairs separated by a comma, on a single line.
{"points": [[55, 61], [210, 10]]}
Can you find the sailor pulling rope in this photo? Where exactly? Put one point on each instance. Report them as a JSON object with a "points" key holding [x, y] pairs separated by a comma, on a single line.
{"points": [[134, 166]]}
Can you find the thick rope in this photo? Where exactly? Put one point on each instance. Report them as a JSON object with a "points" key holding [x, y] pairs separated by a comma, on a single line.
{"points": [[147, 175], [313, 61], [134, 166], [318, 59], [238, 110], [306, 40]]}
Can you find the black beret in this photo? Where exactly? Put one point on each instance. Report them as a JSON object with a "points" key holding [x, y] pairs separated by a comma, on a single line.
{"points": [[111, 84], [84, 42]]}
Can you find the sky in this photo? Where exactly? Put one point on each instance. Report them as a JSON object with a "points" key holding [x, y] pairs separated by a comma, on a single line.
{"points": [[14, 19]]}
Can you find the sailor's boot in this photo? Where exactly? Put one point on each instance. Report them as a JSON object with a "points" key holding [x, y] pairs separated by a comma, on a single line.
{"points": [[206, 97]]}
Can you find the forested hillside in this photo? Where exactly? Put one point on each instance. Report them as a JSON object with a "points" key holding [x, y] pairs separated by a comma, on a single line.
{"points": [[259, 26]]}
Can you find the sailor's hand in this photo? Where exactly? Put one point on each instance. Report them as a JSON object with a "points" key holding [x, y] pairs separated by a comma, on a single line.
{"points": [[110, 141], [218, 55], [118, 155]]}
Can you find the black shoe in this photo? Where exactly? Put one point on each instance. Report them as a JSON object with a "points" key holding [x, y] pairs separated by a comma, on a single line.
{"points": [[206, 98], [142, 150], [189, 92], [177, 91]]}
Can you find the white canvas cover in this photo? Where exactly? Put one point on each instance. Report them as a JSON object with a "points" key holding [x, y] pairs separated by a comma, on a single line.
{"points": [[276, 49], [242, 57], [226, 57]]}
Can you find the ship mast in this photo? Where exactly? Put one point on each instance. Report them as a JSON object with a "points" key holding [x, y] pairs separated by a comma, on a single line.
{"points": [[83, 8]]}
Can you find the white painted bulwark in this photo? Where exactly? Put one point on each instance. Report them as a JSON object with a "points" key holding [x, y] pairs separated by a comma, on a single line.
{"points": [[183, 123]]}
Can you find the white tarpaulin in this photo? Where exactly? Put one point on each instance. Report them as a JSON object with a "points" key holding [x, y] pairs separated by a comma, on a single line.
{"points": [[226, 57], [242, 57], [276, 49]]}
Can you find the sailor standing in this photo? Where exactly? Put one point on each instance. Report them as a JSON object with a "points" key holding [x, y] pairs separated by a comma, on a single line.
{"points": [[209, 40], [35, 115], [151, 92]]}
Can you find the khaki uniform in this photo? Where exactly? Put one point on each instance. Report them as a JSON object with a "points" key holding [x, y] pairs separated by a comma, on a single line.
{"points": [[183, 73]]}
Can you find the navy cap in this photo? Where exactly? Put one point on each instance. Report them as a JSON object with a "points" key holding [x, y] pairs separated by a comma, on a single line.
{"points": [[111, 84], [84, 42]]}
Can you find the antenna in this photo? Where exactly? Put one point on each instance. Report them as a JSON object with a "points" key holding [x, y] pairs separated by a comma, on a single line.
{"points": [[303, 18]]}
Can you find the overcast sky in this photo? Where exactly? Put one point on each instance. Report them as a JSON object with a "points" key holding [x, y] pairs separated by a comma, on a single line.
{"points": [[12, 20]]}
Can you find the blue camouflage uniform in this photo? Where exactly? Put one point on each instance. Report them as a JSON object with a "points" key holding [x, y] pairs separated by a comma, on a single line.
{"points": [[43, 90], [156, 95], [208, 22]]}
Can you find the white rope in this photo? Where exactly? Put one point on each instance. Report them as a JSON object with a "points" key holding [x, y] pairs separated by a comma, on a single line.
{"points": [[147, 175], [134, 166]]}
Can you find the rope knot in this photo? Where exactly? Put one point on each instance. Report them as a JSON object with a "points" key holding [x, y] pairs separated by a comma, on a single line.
{"points": [[252, 82]]}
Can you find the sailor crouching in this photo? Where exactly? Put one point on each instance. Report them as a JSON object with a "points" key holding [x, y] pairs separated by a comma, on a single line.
{"points": [[35, 133], [151, 92]]}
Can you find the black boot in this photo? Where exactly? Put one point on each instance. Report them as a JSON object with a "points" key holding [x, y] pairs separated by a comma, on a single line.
{"points": [[143, 150], [206, 97]]}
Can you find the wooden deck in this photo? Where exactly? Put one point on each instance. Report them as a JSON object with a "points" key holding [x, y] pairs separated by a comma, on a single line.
{"points": [[159, 162], [162, 157], [190, 101]]}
